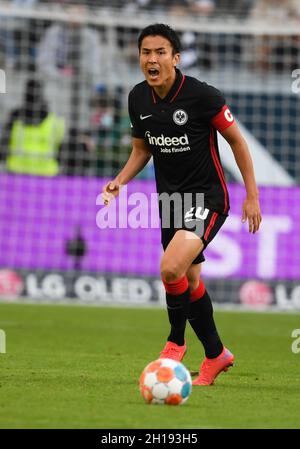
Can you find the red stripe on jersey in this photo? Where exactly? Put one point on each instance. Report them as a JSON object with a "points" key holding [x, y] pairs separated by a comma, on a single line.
{"points": [[178, 90], [223, 119], [219, 169], [153, 95], [211, 225]]}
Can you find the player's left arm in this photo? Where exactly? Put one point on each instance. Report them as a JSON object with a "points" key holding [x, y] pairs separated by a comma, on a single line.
{"points": [[251, 207]]}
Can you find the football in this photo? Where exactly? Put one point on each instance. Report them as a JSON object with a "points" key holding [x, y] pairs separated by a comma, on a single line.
{"points": [[165, 381]]}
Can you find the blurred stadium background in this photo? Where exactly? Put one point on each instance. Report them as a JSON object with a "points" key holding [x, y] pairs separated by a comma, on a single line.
{"points": [[68, 68]]}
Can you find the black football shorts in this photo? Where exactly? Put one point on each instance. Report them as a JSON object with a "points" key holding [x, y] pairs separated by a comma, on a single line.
{"points": [[203, 222]]}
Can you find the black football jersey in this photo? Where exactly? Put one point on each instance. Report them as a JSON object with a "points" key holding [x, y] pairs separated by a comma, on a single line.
{"points": [[181, 133]]}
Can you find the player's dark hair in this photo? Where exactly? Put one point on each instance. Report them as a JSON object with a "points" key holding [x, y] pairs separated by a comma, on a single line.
{"points": [[160, 29]]}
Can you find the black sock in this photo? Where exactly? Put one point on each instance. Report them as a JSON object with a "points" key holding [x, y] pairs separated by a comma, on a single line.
{"points": [[202, 321], [178, 309]]}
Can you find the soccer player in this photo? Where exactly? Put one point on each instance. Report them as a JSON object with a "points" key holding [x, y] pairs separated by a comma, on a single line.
{"points": [[175, 119]]}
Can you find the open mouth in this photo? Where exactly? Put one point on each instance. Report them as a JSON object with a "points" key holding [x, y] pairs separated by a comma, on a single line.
{"points": [[153, 73]]}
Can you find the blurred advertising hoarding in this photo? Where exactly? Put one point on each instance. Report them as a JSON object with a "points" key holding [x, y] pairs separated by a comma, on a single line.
{"points": [[41, 218]]}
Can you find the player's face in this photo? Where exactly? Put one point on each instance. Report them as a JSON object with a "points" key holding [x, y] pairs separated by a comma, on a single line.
{"points": [[158, 62]]}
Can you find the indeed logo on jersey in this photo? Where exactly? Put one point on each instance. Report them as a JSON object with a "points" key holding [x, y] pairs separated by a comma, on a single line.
{"points": [[169, 144]]}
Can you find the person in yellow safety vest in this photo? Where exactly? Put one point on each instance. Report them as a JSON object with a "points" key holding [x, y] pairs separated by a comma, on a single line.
{"points": [[34, 135]]}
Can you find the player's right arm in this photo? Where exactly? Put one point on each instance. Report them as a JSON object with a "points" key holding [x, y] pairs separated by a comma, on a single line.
{"points": [[139, 157]]}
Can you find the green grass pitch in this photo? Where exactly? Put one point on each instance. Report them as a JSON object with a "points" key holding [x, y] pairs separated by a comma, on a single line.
{"points": [[78, 367]]}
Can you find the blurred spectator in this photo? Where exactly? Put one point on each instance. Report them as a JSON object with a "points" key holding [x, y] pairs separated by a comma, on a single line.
{"points": [[106, 124], [276, 53], [76, 154], [177, 7], [239, 8], [32, 135], [157, 6], [14, 33], [71, 53], [275, 10], [69, 47], [189, 51], [203, 7]]}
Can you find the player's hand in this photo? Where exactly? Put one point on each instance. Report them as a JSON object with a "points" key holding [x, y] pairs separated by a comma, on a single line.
{"points": [[251, 212], [110, 191]]}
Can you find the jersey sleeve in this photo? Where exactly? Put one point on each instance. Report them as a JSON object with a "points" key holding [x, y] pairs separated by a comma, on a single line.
{"points": [[223, 119], [216, 112], [136, 131]]}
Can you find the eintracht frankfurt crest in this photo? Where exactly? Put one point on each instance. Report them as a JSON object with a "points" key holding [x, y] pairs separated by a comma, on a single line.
{"points": [[180, 117]]}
